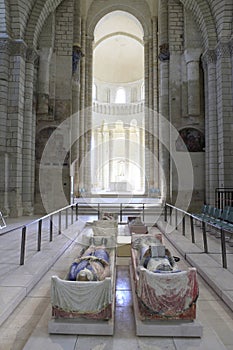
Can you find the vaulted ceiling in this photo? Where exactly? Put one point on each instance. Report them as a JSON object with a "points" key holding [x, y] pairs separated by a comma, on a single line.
{"points": [[118, 51]]}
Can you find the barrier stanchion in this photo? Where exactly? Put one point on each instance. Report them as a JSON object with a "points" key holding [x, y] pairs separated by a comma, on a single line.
{"points": [[51, 229], [223, 244], [39, 235], [204, 237], [183, 225], [23, 244], [192, 229]]}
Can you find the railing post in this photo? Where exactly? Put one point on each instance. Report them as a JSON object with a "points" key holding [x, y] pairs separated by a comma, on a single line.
{"points": [[59, 223], [51, 229], [76, 211], [176, 211], [72, 215], [98, 211], [39, 235], [143, 213], [223, 244], [192, 229], [165, 213], [183, 225], [204, 237], [66, 217], [170, 213], [121, 212], [23, 243]]}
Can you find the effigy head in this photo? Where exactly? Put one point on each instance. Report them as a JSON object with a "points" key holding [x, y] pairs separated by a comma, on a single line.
{"points": [[85, 275], [159, 264]]}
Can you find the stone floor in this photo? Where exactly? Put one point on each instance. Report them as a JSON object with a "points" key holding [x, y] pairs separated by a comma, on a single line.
{"points": [[27, 327]]}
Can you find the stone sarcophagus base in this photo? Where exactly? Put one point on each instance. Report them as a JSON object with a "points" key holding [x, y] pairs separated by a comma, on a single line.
{"points": [[85, 305], [164, 297]]}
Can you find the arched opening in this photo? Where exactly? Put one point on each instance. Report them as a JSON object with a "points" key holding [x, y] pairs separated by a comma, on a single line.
{"points": [[120, 96], [118, 142]]}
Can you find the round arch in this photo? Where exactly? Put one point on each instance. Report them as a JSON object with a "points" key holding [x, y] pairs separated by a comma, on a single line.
{"points": [[37, 19], [140, 11], [225, 29], [5, 27], [204, 18]]}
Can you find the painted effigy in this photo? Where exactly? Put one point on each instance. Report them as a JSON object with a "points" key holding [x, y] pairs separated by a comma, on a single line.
{"points": [[163, 291], [88, 290]]}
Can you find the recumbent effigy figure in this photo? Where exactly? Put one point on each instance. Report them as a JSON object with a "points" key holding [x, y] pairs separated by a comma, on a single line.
{"points": [[162, 290], [93, 265], [88, 289]]}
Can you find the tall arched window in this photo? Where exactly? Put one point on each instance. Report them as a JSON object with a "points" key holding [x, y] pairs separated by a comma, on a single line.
{"points": [[143, 92], [94, 92], [120, 96]]}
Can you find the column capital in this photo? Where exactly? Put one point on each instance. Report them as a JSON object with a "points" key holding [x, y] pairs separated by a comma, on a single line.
{"points": [[208, 57], [164, 53], [192, 55], [31, 55]]}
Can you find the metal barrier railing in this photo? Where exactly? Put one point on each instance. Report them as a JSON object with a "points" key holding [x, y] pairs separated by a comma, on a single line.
{"points": [[121, 209], [39, 222], [75, 210], [168, 211]]}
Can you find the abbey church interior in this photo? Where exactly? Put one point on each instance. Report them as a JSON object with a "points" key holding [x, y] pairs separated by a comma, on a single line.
{"points": [[106, 102], [129, 90]]}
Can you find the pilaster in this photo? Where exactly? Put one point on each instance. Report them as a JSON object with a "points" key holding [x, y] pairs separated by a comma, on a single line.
{"points": [[4, 158], [164, 132], [28, 157], [209, 60], [225, 111], [192, 58], [18, 51]]}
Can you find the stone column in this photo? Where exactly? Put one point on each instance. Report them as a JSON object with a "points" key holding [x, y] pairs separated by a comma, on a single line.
{"points": [[99, 158], [211, 125], [111, 143], [225, 110], [147, 113], [151, 104], [43, 81], [4, 85], [164, 132], [28, 158], [176, 30], [82, 104], [102, 158], [76, 95], [16, 122], [155, 62], [155, 103], [128, 146], [142, 156], [88, 112], [192, 58]]}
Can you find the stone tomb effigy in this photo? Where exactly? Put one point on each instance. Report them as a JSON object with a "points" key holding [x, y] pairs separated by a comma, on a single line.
{"points": [[84, 302], [164, 296]]}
